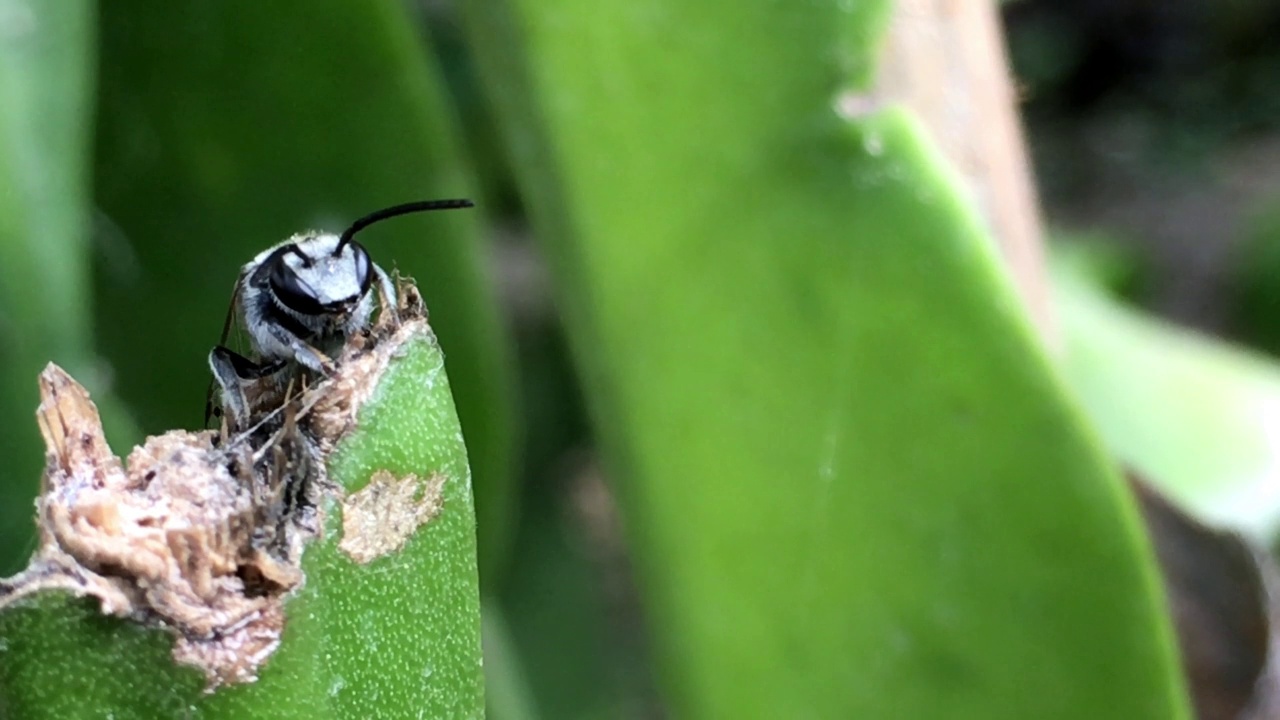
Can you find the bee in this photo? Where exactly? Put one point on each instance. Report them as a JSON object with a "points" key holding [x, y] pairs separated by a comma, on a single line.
{"points": [[299, 301]]}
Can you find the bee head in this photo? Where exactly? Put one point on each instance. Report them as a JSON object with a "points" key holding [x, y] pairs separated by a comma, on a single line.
{"points": [[318, 274], [326, 274]]}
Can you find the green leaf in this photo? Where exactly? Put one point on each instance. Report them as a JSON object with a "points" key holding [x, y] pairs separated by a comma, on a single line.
{"points": [[226, 127], [43, 96], [398, 637], [1197, 417], [46, 92], [852, 485], [401, 635], [61, 658], [45, 61]]}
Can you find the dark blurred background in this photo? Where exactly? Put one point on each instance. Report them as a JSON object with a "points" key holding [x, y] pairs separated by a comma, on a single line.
{"points": [[1155, 125]]}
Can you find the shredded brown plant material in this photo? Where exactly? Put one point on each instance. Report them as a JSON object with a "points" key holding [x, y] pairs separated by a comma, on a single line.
{"points": [[200, 533]]}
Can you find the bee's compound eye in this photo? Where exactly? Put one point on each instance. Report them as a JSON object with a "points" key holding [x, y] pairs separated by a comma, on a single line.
{"points": [[292, 291], [363, 276]]}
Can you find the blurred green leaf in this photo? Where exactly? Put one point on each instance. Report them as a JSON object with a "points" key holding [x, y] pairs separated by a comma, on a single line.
{"points": [[508, 696], [46, 57], [45, 65], [225, 127], [557, 619], [1198, 417], [553, 614], [852, 485], [398, 637]]}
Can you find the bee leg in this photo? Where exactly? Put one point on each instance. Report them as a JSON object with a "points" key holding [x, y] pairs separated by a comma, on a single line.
{"points": [[306, 355], [312, 358], [223, 363], [387, 294], [230, 370], [245, 368]]}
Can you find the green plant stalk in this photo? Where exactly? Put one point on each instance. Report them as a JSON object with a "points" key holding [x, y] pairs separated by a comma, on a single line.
{"points": [[852, 484], [399, 637]]}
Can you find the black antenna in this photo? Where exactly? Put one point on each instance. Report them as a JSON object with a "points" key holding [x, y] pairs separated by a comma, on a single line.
{"points": [[393, 211]]}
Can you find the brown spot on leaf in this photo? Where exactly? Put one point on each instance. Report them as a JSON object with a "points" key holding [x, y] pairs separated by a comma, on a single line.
{"points": [[381, 517]]}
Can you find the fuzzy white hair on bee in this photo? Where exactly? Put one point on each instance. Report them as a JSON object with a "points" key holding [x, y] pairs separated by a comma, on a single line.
{"points": [[301, 299]]}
